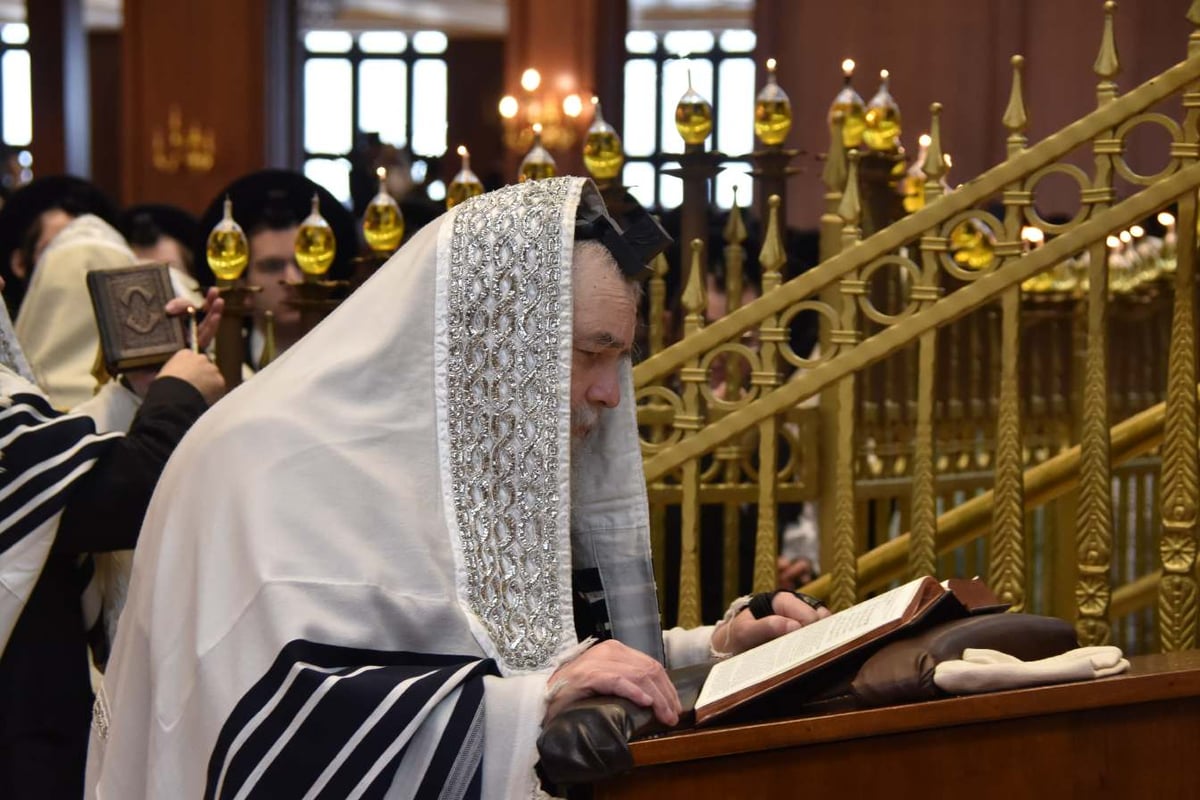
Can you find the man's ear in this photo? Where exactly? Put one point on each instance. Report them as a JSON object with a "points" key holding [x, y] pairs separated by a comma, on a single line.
{"points": [[16, 262]]}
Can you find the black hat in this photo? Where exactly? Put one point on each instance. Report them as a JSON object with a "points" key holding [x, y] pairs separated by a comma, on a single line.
{"points": [[73, 195], [275, 199], [143, 224], [634, 245]]}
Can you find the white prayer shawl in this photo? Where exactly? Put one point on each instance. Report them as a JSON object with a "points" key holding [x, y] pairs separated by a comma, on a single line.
{"points": [[392, 493], [56, 325]]}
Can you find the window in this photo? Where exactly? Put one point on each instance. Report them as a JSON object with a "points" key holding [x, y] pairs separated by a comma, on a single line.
{"points": [[389, 83], [16, 95], [656, 76]]}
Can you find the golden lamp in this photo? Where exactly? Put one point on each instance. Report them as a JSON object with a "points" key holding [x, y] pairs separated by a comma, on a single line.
{"points": [[383, 222], [772, 111], [603, 154], [228, 250], [315, 243], [466, 184], [882, 132], [693, 117], [853, 110], [538, 163]]}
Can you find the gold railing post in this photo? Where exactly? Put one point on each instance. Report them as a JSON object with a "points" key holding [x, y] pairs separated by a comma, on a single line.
{"points": [[1093, 526], [655, 334], [731, 453], [691, 420], [766, 544], [1006, 568], [922, 559], [657, 298], [834, 177], [845, 564], [1177, 602]]}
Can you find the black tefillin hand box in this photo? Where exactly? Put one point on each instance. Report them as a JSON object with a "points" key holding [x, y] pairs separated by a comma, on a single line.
{"points": [[135, 331]]}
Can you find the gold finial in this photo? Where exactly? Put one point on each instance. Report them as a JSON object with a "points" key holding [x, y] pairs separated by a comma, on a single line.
{"points": [[735, 228], [935, 163], [1107, 63], [1193, 14], [834, 174], [773, 256], [270, 350], [695, 298], [1014, 116], [849, 209]]}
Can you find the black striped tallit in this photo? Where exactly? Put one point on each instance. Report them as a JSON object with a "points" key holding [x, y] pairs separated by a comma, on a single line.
{"points": [[337, 722], [42, 454]]}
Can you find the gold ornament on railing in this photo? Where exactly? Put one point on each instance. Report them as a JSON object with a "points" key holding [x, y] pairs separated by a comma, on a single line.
{"points": [[882, 132], [270, 350], [538, 163], [852, 108], [603, 154], [383, 222], [693, 116], [772, 111], [315, 243], [466, 184], [228, 250]]}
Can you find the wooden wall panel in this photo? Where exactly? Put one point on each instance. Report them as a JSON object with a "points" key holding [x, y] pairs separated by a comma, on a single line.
{"points": [[104, 58], [208, 59]]}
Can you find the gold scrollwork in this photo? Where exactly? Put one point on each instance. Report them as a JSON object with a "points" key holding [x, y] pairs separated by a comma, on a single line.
{"points": [[1173, 130]]}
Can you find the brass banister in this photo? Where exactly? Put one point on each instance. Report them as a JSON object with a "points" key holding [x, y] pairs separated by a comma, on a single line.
{"points": [[1047, 481], [990, 183], [870, 350]]}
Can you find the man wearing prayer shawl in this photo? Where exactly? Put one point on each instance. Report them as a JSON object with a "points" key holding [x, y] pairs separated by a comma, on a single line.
{"points": [[70, 486], [356, 576]]}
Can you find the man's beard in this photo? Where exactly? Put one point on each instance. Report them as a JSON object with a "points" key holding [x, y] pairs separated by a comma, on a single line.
{"points": [[584, 418]]}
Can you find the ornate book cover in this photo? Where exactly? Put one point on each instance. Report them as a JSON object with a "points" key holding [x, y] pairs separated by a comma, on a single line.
{"points": [[135, 330]]}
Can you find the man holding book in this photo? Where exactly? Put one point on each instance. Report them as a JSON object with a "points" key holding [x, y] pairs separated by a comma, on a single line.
{"points": [[438, 509]]}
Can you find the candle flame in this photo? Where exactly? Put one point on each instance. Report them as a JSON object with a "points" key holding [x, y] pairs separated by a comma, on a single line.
{"points": [[462, 150], [770, 65], [848, 67], [1166, 218]]}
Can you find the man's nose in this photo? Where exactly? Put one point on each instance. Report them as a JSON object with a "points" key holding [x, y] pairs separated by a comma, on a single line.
{"points": [[606, 389], [293, 272]]}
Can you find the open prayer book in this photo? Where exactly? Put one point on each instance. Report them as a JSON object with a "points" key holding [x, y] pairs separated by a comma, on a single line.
{"points": [[740, 678]]}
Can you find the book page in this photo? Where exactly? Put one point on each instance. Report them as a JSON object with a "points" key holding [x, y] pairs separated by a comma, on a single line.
{"points": [[773, 658]]}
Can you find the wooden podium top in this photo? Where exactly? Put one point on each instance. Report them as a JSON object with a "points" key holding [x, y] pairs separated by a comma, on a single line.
{"points": [[1150, 678]]}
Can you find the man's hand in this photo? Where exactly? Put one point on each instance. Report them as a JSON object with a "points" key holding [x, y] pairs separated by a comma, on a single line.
{"points": [[196, 369], [744, 631], [612, 668], [212, 308], [794, 572]]}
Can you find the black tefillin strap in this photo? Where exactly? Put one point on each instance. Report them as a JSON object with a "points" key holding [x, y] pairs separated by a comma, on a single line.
{"points": [[634, 247], [590, 605], [760, 604]]}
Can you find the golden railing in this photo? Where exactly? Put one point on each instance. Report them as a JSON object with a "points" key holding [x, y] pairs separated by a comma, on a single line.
{"points": [[753, 443]]}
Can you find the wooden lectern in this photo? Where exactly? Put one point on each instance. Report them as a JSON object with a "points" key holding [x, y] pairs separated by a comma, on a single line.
{"points": [[1133, 735]]}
